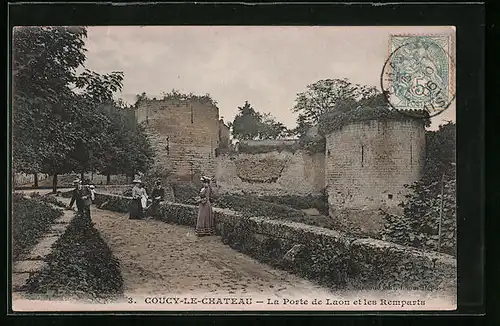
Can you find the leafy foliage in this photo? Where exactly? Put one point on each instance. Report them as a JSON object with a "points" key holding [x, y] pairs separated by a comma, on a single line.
{"points": [[31, 218], [81, 266], [336, 120], [333, 103], [300, 202], [49, 199], [418, 227], [419, 224], [126, 149], [157, 172], [252, 206], [252, 125], [324, 96], [185, 192], [178, 96], [291, 147], [59, 125], [44, 63], [440, 153]]}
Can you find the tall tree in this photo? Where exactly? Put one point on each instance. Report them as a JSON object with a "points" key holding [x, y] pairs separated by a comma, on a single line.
{"points": [[44, 60], [271, 129], [246, 124], [126, 148], [54, 109], [324, 96], [250, 125], [440, 153]]}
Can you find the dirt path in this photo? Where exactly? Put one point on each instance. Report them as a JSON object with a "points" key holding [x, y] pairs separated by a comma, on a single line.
{"points": [[161, 258]]}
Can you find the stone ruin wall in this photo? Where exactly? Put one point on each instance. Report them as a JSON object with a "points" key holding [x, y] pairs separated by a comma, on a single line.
{"points": [[271, 174], [184, 135], [224, 134], [368, 164]]}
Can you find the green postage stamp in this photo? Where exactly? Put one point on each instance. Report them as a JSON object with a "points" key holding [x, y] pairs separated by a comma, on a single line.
{"points": [[419, 73]]}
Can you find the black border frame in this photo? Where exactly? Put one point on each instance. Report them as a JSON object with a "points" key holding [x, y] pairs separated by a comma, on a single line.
{"points": [[470, 22]]}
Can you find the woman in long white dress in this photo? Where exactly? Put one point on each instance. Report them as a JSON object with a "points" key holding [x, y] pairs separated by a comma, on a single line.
{"points": [[144, 196]]}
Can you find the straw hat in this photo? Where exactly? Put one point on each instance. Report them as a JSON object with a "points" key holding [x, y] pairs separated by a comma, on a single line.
{"points": [[136, 181]]}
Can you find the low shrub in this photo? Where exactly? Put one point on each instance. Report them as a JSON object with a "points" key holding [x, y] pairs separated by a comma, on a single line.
{"points": [[419, 225], [252, 206], [51, 200], [300, 202], [31, 218], [290, 147], [81, 266], [185, 192], [112, 202]]}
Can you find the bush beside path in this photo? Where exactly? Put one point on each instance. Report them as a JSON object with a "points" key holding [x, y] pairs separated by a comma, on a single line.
{"points": [[31, 219]]}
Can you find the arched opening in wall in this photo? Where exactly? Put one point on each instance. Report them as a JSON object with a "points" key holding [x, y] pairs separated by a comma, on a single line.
{"points": [[328, 153], [389, 196]]}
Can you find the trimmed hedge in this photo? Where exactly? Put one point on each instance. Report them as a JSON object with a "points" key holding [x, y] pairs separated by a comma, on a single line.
{"points": [[337, 260], [31, 218], [50, 199], [81, 266]]}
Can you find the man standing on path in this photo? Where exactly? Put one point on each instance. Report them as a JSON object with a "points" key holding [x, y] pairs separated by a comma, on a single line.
{"points": [[81, 195]]}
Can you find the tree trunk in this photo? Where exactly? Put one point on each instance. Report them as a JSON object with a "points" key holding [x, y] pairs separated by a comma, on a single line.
{"points": [[82, 176], [54, 183], [92, 175], [108, 179], [35, 185]]}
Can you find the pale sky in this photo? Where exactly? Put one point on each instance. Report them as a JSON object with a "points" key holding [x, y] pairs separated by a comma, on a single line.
{"points": [[266, 66]]}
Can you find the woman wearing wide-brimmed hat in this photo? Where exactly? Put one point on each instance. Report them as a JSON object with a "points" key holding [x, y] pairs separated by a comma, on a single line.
{"points": [[205, 224], [135, 208]]}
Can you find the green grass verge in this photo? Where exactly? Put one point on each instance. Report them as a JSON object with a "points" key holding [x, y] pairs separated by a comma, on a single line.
{"points": [[31, 218]]}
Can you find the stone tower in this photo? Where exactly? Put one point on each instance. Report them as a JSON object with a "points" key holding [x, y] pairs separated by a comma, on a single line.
{"points": [[184, 134], [368, 163]]}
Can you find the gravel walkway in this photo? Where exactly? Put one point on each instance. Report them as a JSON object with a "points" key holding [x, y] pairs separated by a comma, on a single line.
{"points": [[161, 258]]}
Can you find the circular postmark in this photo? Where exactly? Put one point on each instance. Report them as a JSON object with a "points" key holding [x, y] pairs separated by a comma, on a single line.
{"points": [[418, 77]]}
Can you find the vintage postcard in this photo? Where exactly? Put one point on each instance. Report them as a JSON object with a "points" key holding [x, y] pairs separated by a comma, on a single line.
{"points": [[233, 168]]}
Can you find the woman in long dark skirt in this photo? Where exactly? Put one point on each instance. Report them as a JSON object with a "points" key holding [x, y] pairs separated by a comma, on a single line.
{"points": [[136, 211], [157, 195], [205, 224]]}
